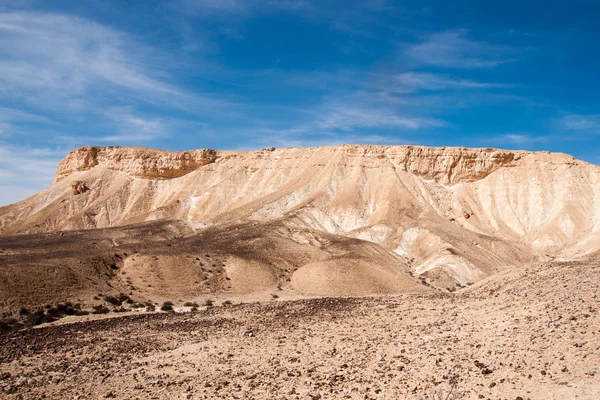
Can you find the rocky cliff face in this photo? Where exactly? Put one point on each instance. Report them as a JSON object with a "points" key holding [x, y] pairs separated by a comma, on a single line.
{"points": [[134, 161], [447, 165]]}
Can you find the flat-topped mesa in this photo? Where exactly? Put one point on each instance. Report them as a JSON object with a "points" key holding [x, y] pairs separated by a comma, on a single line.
{"points": [[135, 161], [447, 165]]}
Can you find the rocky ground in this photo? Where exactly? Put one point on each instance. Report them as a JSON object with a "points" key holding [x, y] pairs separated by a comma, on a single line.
{"points": [[531, 332]]}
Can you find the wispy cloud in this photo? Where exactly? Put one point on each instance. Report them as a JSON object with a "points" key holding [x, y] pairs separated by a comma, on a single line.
{"points": [[136, 129], [10, 118], [58, 61], [341, 15], [528, 141], [413, 81], [582, 124], [518, 138], [66, 55], [244, 7], [351, 120], [454, 49], [12, 114], [347, 118], [16, 162]]}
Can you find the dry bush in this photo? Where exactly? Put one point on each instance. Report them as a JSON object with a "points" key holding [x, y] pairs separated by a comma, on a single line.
{"points": [[452, 394]]}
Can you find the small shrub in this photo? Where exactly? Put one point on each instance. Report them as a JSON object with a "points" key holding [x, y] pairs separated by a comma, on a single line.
{"points": [[66, 308], [34, 318], [100, 309], [23, 311], [138, 305], [190, 304], [167, 306], [194, 309], [46, 319], [54, 313], [123, 297], [227, 303], [112, 300], [274, 296], [209, 303], [150, 307], [79, 313]]}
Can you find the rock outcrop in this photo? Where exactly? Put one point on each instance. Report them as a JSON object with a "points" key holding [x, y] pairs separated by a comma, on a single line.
{"points": [[138, 162], [447, 165]]}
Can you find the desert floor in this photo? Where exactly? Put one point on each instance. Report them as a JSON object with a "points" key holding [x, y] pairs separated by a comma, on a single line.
{"points": [[530, 332]]}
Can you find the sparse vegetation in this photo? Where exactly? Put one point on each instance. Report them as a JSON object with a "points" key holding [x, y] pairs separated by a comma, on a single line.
{"points": [[167, 306], [47, 314], [112, 300], [118, 300], [190, 304], [100, 309], [209, 303]]}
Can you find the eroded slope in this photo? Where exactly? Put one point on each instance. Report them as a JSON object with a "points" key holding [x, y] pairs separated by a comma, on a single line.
{"points": [[452, 215]]}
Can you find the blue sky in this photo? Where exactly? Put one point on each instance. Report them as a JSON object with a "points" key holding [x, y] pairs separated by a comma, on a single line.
{"points": [[247, 74]]}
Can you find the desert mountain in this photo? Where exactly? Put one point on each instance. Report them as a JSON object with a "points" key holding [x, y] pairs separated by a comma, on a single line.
{"points": [[348, 219]]}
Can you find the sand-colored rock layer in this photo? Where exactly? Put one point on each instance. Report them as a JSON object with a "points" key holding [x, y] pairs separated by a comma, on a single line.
{"points": [[138, 162]]}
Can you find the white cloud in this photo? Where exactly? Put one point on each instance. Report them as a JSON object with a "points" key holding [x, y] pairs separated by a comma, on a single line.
{"points": [[341, 15], [10, 118], [210, 7], [515, 140], [453, 49], [581, 123], [136, 129], [348, 118], [523, 138], [57, 61], [12, 114], [414, 81], [25, 171]]}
